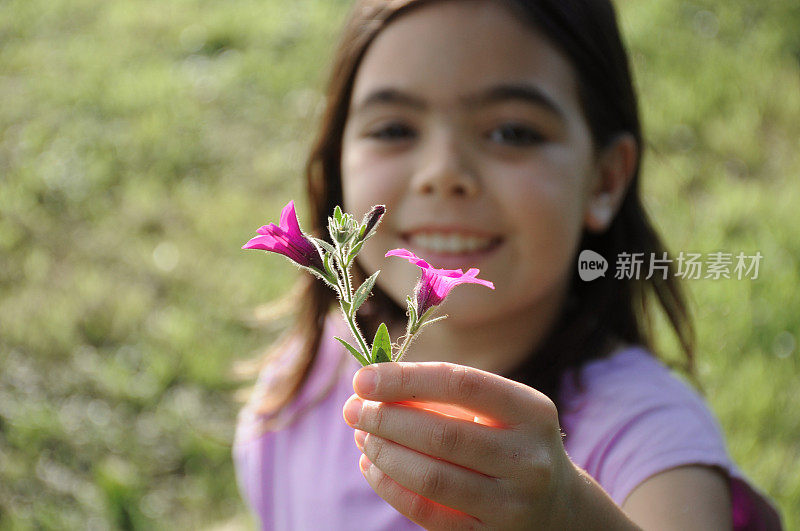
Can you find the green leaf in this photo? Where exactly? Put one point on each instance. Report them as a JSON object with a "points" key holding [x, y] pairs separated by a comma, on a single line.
{"points": [[355, 249], [324, 277], [426, 323], [429, 311], [412, 310], [332, 230], [382, 345], [337, 214], [326, 263], [356, 354], [350, 236], [323, 244], [363, 291]]}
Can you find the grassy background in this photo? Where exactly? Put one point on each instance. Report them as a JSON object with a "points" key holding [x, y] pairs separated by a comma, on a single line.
{"points": [[142, 141]]}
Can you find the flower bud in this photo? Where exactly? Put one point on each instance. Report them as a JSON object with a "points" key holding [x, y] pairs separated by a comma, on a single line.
{"points": [[338, 230], [371, 220]]}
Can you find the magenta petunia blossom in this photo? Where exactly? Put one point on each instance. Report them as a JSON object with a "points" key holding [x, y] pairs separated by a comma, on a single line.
{"points": [[435, 284], [288, 240]]}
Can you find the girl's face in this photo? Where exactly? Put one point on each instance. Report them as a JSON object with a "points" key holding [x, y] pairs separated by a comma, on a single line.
{"points": [[466, 124]]}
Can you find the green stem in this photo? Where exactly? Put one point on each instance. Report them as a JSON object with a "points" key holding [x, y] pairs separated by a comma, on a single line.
{"points": [[345, 277], [411, 331], [356, 333], [403, 348], [346, 295]]}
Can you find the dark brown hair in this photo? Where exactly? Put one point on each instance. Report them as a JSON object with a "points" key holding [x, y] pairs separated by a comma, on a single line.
{"points": [[597, 315]]}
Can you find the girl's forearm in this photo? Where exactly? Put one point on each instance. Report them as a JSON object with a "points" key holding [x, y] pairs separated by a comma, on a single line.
{"points": [[588, 506]]}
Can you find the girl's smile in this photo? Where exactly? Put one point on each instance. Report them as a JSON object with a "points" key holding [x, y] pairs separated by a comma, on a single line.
{"points": [[453, 246]]}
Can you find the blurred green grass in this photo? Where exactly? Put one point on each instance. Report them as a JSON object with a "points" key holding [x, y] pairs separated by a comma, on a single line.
{"points": [[142, 141]]}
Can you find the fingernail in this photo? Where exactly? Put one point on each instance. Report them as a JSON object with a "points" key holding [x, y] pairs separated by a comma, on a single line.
{"points": [[360, 437], [366, 381], [352, 410]]}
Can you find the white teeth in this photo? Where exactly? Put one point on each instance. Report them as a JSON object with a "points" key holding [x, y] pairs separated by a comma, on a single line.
{"points": [[439, 241], [450, 242]]}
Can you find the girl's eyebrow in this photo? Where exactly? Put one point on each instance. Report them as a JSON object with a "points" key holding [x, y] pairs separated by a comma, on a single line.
{"points": [[495, 94]]}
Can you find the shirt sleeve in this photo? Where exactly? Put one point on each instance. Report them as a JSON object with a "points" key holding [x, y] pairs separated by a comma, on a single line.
{"points": [[658, 438], [634, 419]]}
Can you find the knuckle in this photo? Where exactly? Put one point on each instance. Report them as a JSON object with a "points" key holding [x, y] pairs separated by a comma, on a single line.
{"points": [[375, 446], [419, 509], [544, 468], [549, 409], [544, 410], [405, 377], [377, 418], [540, 474], [431, 481], [445, 437], [463, 383], [384, 484]]}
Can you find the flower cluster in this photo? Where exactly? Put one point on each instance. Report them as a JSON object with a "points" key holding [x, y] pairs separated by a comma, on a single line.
{"points": [[433, 287], [332, 261]]}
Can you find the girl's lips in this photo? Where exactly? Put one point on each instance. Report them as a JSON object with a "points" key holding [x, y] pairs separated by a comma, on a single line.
{"points": [[452, 251]]}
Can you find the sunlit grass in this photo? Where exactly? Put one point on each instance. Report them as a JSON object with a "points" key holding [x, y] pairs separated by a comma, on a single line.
{"points": [[142, 142]]}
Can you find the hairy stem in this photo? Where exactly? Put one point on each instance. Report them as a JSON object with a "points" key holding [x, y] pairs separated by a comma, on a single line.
{"points": [[411, 330], [356, 333], [347, 289]]}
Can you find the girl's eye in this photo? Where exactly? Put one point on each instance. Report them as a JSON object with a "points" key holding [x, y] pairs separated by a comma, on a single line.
{"points": [[393, 131], [516, 135]]}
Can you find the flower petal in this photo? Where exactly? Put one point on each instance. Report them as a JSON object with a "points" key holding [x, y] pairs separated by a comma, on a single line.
{"points": [[435, 284], [266, 243], [403, 253], [288, 240], [408, 255], [269, 229], [289, 221]]}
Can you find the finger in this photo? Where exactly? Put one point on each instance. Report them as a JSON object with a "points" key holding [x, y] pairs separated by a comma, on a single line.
{"points": [[490, 451], [423, 512], [490, 395], [437, 480]]}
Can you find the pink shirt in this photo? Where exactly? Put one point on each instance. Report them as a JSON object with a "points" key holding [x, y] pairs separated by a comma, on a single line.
{"points": [[632, 420]]}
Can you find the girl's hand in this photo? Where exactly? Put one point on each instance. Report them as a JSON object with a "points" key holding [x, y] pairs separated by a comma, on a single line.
{"points": [[426, 456]]}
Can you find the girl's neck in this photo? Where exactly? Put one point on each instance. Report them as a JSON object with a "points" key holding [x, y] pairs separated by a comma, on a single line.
{"points": [[496, 345]]}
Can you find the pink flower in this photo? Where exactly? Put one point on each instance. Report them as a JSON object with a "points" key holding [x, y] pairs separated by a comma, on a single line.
{"points": [[287, 240], [435, 284]]}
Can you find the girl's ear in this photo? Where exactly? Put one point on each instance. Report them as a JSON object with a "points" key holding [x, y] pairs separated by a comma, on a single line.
{"points": [[615, 168]]}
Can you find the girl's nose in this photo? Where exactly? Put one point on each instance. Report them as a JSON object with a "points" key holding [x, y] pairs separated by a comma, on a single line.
{"points": [[446, 171]]}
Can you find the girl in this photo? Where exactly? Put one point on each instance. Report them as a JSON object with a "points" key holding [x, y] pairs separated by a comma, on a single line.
{"points": [[502, 135]]}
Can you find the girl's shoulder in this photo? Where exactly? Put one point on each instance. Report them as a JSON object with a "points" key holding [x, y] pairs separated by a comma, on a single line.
{"points": [[631, 417], [628, 373], [630, 396]]}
